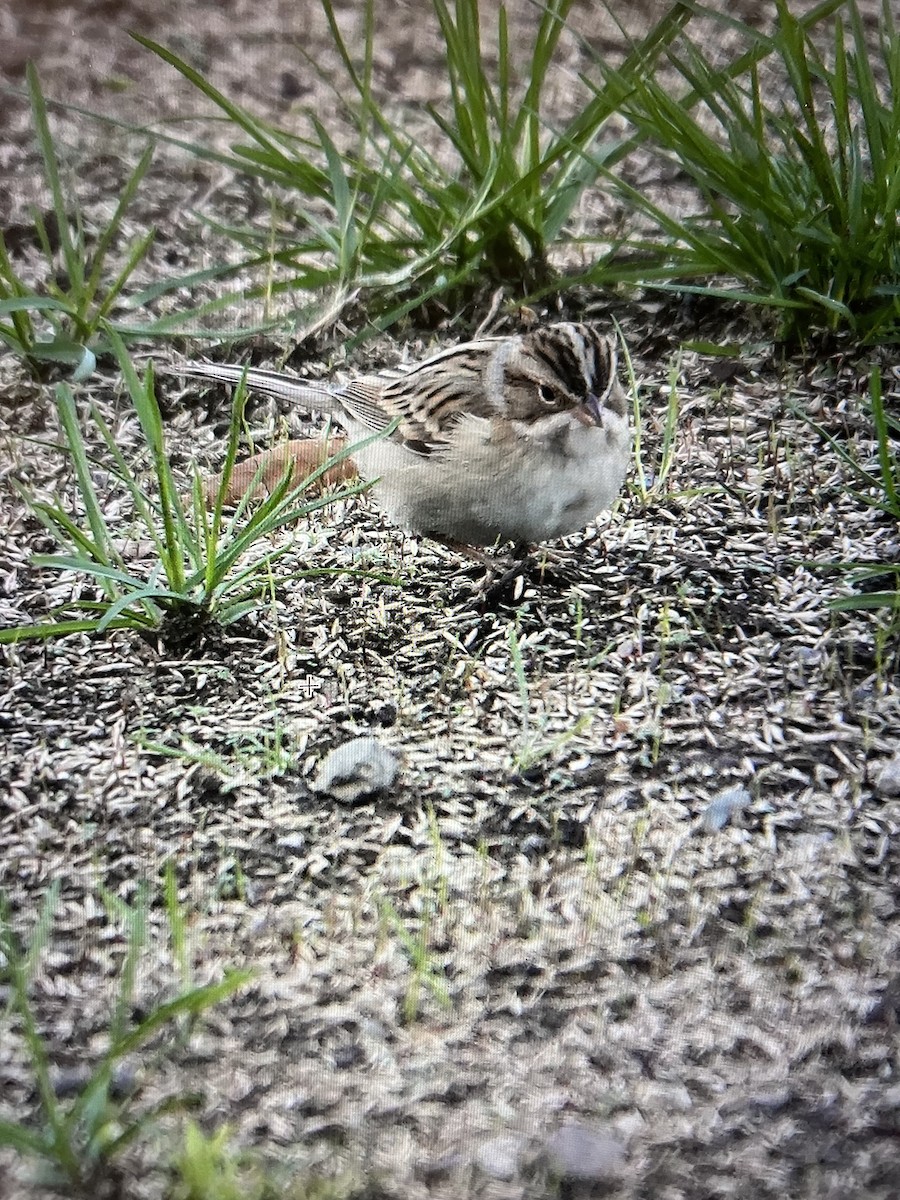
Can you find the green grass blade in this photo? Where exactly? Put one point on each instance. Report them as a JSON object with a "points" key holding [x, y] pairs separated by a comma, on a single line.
{"points": [[71, 257], [125, 474], [65, 404], [866, 92], [177, 923], [17, 1137], [145, 597], [27, 302], [177, 535], [189, 1004], [55, 629], [106, 238], [890, 474], [237, 115], [136, 254], [67, 562], [20, 968], [60, 526]]}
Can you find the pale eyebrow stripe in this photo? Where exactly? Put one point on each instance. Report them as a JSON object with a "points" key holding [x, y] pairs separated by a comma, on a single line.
{"points": [[495, 372]]}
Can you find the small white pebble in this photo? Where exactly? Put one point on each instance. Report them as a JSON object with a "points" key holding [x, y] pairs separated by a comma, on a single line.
{"points": [[887, 781], [501, 1156], [577, 1152], [723, 805], [358, 769]]}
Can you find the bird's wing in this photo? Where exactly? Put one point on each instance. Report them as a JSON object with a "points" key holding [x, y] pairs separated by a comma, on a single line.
{"points": [[429, 398], [375, 403]]}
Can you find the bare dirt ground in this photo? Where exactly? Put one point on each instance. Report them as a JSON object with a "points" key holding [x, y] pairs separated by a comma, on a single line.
{"points": [[716, 998]]}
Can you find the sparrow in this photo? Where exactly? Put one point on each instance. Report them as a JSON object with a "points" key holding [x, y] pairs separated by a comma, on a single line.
{"points": [[522, 438]]}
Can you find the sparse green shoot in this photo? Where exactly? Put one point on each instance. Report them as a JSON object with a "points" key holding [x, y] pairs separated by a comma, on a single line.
{"points": [[57, 320], [77, 1132]]}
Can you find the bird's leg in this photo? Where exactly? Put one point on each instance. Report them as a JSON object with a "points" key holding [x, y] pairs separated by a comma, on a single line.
{"points": [[499, 588], [498, 578]]}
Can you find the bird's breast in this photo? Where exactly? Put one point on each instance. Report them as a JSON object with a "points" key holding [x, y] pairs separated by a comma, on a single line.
{"points": [[502, 480]]}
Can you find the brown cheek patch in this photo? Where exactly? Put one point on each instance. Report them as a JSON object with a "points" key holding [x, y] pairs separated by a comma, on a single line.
{"points": [[301, 457]]}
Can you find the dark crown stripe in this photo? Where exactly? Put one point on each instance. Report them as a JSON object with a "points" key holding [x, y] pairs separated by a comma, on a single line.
{"points": [[560, 356], [598, 356]]}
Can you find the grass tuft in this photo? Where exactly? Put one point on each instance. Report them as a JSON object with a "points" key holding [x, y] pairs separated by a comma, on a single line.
{"points": [[205, 574], [800, 194], [408, 223]]}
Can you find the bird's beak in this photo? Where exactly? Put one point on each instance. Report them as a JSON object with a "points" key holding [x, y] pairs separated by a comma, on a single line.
{"points": [[591, 412]]}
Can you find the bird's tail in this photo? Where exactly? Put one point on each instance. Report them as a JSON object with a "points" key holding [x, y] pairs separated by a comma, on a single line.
{"points": [[272, 383]]}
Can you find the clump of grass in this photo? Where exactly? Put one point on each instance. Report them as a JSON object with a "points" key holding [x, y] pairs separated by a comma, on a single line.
{"points": [[79, 1137], [205, 574], [208, 1167], [59, 323], [799, 196], [389, 215], [524, 178]]}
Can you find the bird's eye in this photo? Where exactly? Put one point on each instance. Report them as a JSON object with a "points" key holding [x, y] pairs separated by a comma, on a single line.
{"points": [[547, 393]]}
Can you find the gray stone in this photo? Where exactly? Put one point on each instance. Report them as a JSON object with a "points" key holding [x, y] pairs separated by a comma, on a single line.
{"points": [[887, 781], [579, 1152], [723, 805], [72, 1081], [501, 1156], [356, 770]]}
